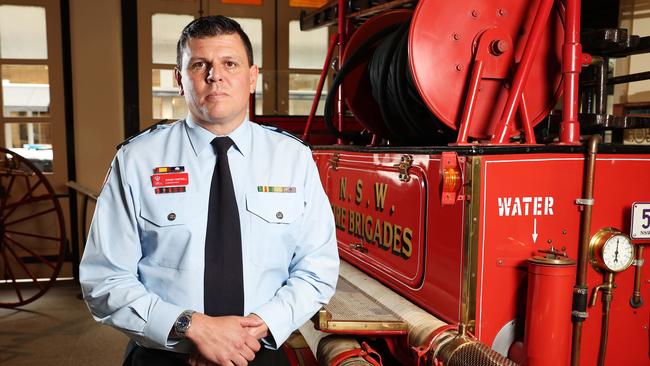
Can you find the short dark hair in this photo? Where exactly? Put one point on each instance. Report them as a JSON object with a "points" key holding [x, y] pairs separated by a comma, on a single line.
{"points": [[210, 26]]}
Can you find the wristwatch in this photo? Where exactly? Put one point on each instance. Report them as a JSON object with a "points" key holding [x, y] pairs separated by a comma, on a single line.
{"points": [[183, 322]]}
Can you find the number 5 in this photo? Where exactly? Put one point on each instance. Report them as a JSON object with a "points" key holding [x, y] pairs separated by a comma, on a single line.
{"points": [[646, 216]]}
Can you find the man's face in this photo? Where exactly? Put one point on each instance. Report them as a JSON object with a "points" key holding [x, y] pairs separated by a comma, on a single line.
{"points": [[216, 81]]}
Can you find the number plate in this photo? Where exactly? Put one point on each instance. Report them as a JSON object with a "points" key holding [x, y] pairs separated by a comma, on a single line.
{"points": [[640, 227]]}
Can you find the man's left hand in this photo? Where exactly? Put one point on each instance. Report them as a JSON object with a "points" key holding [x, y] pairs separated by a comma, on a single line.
{"points": [[258, 332]]}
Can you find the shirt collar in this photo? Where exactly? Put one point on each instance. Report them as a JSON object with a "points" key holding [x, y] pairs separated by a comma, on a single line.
{"points": [[200, 138]]}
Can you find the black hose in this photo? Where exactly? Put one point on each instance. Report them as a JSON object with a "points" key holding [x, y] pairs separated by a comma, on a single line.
{"points": [[349, 64], [405, 116]]}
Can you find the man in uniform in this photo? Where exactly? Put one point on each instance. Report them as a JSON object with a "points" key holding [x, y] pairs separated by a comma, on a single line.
{"points": [[212, 238]]}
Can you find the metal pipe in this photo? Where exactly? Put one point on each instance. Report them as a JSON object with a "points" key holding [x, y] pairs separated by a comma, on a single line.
{"points": [[636, 301], [470, 104], [608, 289], [342, 35], [525, 121], [521, 75], [579, 311], [571, 66], [319, 87]]}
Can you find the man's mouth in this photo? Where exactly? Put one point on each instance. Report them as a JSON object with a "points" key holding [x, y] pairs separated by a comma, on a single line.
{"points": [[216, 95]]}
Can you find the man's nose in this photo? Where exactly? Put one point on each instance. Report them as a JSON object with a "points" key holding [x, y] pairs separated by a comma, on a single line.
{"points": [[213, 75]]}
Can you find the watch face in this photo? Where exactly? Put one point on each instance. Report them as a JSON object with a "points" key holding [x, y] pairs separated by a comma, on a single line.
{"points": [[183, 321]]}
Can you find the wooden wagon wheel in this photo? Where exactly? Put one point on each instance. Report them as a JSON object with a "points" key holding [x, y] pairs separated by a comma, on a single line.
{"points": [[32, 231]]}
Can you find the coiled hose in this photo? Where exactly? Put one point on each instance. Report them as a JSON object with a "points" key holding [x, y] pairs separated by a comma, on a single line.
{"points": [[404, 114]]}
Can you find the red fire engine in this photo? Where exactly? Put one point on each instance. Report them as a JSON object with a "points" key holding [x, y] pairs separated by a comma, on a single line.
{"points": [[476, 225]]}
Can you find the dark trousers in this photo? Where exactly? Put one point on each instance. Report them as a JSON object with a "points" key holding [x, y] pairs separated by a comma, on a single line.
{"points": [[141, 356]]}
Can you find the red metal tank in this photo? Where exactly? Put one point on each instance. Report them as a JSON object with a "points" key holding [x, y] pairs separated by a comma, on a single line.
{"points": [[547, 337]]}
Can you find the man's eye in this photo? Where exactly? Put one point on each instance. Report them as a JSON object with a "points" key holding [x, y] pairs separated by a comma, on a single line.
{"points": [[230, 64], [198, 65]]}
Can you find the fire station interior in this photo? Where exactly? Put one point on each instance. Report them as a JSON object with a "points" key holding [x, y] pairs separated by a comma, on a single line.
{"points": [[79, 77]]}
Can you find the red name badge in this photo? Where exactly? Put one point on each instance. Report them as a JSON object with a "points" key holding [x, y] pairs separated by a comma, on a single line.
{"points": [[168, 180]]}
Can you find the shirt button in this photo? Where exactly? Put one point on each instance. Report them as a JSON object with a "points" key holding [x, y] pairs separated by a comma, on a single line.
{"points": [[171, 217], [279, 215]]}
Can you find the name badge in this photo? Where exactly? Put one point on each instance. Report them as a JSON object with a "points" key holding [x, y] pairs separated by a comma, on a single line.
{"points": [[170, 180]]}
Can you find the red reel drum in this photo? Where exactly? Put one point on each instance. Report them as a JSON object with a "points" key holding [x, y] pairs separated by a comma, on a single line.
{"points": [[442, 42]]}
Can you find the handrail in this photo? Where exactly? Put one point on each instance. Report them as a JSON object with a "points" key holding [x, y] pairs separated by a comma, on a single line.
{"points": [[83, 190], [87, 194]]}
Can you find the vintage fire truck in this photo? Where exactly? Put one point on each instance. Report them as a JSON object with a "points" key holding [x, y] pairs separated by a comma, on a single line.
{"points": [[487, 211]]}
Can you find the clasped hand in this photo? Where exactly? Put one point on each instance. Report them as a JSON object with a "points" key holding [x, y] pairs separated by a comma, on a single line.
{"points": [[225, 340]]}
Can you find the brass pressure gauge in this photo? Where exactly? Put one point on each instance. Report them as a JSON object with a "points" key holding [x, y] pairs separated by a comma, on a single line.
{"points": [[610, 250]]}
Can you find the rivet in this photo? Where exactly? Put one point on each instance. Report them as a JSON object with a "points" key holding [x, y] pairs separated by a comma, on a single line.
{"points": [[279, 215], [459, 67], [456, 36], [171, 217], [474, 13]]}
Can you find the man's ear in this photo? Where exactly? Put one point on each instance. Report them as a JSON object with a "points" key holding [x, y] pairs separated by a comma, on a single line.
{"points": [[179, 81], [254, 73]]}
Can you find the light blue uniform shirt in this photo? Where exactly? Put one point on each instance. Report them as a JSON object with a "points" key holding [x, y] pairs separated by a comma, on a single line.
{"points": [[141, 268]]}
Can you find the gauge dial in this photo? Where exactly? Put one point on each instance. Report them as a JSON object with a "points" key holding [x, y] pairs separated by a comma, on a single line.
{"points": [[611, 250], [618, 253]]}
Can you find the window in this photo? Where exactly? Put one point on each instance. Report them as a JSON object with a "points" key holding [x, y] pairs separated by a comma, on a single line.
{"points": [[165, 30], [25, 68], [307, 52]]}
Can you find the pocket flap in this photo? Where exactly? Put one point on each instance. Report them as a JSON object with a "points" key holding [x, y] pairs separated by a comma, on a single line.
{"points": [[279, 208], [166, 210]]}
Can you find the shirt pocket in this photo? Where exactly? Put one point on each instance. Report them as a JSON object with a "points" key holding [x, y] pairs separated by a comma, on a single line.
{"points": [[166, 232], [275, 224]]}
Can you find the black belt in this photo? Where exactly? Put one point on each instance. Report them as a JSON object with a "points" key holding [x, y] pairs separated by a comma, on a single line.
{"points": [[142, 356]]}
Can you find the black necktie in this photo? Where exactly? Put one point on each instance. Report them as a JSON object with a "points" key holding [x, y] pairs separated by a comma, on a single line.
{"points": [[223, 275]]}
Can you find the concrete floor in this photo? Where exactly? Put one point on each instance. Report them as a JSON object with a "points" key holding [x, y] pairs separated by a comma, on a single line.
{"points": [[57, 330]]}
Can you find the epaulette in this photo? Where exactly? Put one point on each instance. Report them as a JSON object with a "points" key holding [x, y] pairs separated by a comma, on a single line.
{"points": [[286, 133], [156, 126]]}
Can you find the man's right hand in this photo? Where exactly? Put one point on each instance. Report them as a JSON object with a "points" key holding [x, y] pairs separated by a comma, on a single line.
{"points": [[224, 340]]}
